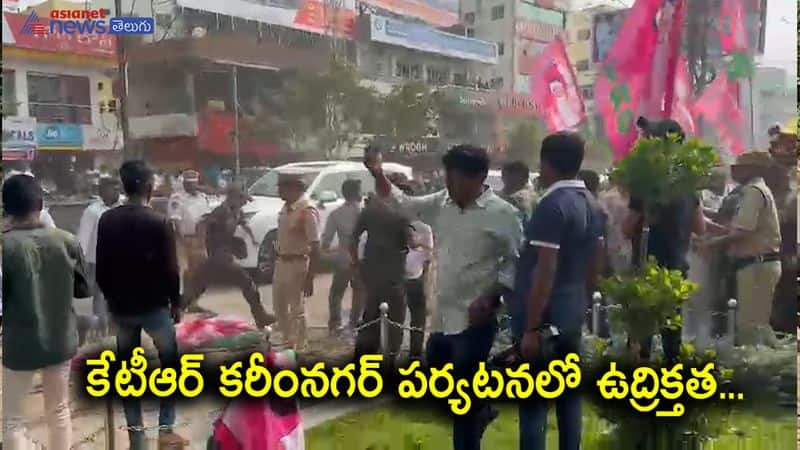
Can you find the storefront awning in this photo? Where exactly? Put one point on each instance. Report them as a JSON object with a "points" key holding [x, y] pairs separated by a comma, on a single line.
{"points": [[227, 62]]}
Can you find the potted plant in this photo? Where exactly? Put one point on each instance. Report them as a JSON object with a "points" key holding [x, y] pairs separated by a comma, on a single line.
{"points": [[645, 302]]}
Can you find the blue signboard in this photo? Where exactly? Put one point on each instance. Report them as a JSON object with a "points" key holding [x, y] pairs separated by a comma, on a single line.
{"points": [[59, 136], [426, 38]]}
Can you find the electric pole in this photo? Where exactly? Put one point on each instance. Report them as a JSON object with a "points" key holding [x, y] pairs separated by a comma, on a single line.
{"points": [[122, 68]]}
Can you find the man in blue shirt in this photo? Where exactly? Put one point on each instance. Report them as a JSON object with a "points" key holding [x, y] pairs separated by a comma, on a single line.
{"points": [[558, 266]]}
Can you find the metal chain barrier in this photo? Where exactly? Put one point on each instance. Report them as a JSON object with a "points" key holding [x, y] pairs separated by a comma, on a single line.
{"points": [[730, 315]]}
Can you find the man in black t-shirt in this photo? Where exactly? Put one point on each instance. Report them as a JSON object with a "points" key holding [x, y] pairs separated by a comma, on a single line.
{"points": [[670, 235], [382, 269], [219, 227]]}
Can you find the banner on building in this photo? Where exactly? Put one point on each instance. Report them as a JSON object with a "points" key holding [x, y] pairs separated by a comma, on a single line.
{"points": [[312, 16], [59, 136], [554, 88], [719, 107], [626, 86], [101, 138], [428, 14], [426, 38]]}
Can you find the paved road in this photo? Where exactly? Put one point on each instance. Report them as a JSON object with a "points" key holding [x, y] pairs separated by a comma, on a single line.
{"points": [[201, 413]]}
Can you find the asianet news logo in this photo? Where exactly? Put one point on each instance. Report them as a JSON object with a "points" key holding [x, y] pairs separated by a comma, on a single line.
{"points": [[86, 21]]}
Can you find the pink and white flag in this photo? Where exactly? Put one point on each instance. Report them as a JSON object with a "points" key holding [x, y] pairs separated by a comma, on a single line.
{"points": [[683, 98], [719, 107], [554, 88], [638, 76]]}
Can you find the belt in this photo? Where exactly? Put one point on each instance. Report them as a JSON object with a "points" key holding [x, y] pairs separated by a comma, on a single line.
{"points": [[292, 257], [741, 263]]}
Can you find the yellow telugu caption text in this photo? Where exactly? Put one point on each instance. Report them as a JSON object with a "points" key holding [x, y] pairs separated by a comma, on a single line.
{"points": [[644, 391]]}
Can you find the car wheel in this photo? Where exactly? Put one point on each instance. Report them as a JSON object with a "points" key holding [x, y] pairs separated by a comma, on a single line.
{"points": [[266, 258]]}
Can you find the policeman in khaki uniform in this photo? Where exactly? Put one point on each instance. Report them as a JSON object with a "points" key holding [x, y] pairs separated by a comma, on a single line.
{"points": [[753, 242], [186, 209], [297, 258]]}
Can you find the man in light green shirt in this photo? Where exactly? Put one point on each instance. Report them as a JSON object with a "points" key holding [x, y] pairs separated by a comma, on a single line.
{"points": [[44, 270]]}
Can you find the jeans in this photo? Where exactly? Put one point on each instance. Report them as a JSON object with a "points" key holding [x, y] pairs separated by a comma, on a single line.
{"points": [[533, 412], [415, 298], [16, 388], [342, 277], [159, 326], [466, 350]]}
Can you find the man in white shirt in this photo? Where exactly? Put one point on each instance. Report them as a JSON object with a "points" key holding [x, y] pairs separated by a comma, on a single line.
{"points": [[418, 262], [108, 190], [186, 209]]}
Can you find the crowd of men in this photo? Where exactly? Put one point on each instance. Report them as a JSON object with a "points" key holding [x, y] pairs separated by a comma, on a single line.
{"points": [[462, 252]]}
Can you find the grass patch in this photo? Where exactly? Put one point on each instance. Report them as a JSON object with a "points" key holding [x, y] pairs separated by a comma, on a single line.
{"points": [[412, 427]]}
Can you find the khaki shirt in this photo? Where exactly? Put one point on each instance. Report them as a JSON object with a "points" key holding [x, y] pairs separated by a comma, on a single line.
{"points": [[187, 211], [757, 213], [298, 228]]}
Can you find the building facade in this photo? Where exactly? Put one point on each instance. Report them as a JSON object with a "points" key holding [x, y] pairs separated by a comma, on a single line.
{"points": [[62, 86], [520, 28]]}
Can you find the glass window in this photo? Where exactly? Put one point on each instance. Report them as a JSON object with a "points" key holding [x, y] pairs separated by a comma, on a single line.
{"points": [[267, 186], [330, 182], [501, 48], [584, 35], [582, 65], [9, 94], [59, 98], [498, 12]]}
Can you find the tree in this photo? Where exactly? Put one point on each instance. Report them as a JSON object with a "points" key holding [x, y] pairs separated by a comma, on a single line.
{"points": [[329, 106], [524, 143], [407, 111]]}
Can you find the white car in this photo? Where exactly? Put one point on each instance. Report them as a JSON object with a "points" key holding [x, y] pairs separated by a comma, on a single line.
{"points": [[495, 179], [324, 180]]}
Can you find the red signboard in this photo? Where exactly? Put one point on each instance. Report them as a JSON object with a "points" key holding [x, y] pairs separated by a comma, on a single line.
{"points": [[215, 135], [536, 31], [100, 45], [439, 18], [311, 17]]}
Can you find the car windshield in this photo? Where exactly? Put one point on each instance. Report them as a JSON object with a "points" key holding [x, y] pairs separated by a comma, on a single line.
{"points": [[267, 186]]}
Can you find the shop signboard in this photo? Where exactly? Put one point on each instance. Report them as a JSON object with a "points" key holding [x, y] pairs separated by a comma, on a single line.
{"points": [[501, 103], [101, 138], [429, 39], [312, 16], [19, 138], [59, 136]]}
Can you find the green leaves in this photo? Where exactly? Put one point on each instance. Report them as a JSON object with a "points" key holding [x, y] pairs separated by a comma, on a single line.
{"points": [[661, 170], [648, 301]]}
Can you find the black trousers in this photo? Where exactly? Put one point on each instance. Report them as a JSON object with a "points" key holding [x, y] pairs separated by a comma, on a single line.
{"points": [[379, 291], [415, 298], [222, 267]]}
